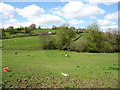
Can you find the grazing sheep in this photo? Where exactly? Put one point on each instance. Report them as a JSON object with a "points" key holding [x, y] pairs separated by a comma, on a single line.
{"points": [[66, 55], [64, 74]]}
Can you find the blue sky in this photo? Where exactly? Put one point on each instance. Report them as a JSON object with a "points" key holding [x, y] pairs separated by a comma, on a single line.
{"points": [[46, 14]]}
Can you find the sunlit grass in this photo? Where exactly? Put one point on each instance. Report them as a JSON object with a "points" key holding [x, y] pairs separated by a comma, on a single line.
{"points": [[42, 69]]}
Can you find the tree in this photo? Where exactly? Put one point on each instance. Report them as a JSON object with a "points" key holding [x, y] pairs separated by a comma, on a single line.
{"points": [[11, 29], [95, 38], [54, 27], [47, 42], [63, 27], [27, 30], [20, 28], [72, 28], [64, 38], [39, 27], [94, 27], [3, 33], [32, 27]]}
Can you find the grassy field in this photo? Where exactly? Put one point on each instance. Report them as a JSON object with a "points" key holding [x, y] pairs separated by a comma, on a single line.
{"points": [[42, 68], [21, 43]]}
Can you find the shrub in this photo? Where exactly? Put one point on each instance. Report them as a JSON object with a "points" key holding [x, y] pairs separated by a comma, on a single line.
{"points": [[47, 42], [95, 41], [81, 44], [107, 47], [63, 39], [95, 38], [72, 46]]}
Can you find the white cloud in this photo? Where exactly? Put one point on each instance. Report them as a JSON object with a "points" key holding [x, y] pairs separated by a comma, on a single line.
{"points": [[43, 20], [47, 19], [112, 16], [105, 22], [12, 20], [77, 9], [36, 15], [109, 21], [114, 27], [75, 22], [15, 23], [6, 10], [31, 11], [106, 2], [93, 17]]}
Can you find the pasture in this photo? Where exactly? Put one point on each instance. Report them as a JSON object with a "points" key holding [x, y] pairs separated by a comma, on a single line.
{"points": [[34, 68]]}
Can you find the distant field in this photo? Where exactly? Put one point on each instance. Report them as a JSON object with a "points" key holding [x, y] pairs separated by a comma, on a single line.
{"points": [[42, 30], [21, 43], [31, 42], [37, 68]]}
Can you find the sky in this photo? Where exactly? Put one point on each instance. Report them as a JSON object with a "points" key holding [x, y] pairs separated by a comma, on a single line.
{"points": [[74, 13]]}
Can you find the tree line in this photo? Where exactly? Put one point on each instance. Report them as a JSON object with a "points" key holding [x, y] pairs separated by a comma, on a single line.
{"points": [[93, 41]]}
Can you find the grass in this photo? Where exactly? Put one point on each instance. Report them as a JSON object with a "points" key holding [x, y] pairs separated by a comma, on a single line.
{"points": [[21, 43], [33, 68], [31, 42], [42, 69], [42, 30], [8, 35]]}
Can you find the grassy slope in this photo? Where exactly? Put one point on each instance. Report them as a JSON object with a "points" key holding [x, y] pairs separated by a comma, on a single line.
{"points": [[29, 68], [21, 43], [92, 66], [42, 30]]}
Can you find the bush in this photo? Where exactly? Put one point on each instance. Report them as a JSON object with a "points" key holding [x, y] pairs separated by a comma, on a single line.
{"points": [[47, 42], [79, 45], [72, 46], [95, 41], [95, 38], [63, 39], [107, 47]]}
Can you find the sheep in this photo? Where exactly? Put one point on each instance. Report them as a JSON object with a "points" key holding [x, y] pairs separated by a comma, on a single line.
{"points": [[64, 74], [66, 55]]}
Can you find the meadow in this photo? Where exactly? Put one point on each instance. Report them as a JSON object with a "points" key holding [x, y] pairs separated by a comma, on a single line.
{"points": [[34, 68]]}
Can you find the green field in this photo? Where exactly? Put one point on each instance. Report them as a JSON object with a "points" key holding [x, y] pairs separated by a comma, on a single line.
{"points": [[43, 68], [21, 43]]}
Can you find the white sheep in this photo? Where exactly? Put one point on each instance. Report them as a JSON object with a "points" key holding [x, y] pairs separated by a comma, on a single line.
{"points": [[66, 55], [64, 74]]}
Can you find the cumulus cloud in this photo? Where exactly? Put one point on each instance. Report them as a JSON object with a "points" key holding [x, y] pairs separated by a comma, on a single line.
{"points": [[75, 22], [31, 11], [114, 27], [47, 19], [105, 22], [35, 14], [112, 16], [12, 20], [15, 23], [109, 21], [43, 21], [106, 2], [77, 9], [6, 10]]}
